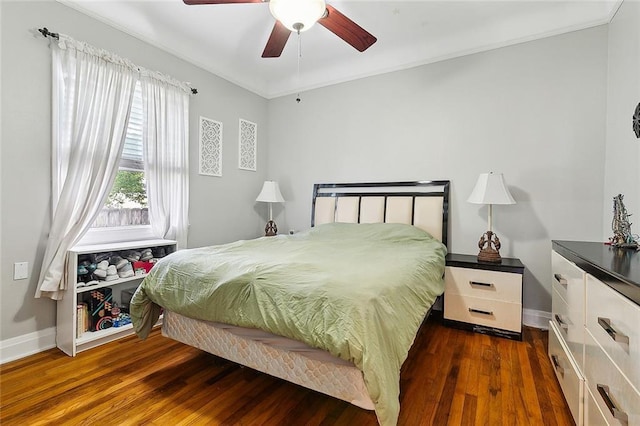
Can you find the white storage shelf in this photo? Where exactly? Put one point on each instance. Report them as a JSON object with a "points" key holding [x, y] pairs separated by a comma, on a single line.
{"points": [[67, 338]]}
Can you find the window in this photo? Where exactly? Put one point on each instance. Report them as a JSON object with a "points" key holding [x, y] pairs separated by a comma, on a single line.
{"points": [[127, 201]]}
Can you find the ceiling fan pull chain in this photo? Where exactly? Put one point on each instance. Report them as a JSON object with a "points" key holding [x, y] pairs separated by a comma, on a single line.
{"points": [[299, 56]]}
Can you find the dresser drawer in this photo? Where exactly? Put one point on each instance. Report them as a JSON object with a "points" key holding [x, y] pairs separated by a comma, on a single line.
{"points": [[569, 377], [619, 402], [614, 322], [486, 312], [567, 279], [592, 414], [569, 323], [485, 284]]}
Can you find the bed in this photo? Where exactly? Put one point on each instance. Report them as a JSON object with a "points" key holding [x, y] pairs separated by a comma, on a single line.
{"points": [[293, 308]]}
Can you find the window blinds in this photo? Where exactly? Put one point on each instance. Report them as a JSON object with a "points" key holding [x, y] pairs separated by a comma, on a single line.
{"points": [[132, 152]]}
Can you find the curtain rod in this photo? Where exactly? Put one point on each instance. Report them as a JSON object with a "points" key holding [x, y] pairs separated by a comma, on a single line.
{"points": [[46, 33]]}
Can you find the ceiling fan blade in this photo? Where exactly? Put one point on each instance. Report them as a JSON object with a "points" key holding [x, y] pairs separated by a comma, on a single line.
{"points": [[277, 40], [346, 29], [192, 2]]}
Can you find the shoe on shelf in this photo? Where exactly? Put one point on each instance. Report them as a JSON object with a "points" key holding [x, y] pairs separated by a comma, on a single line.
{"points": [[126, 271], [117, 261], [159, 252], [101, 270], [103, 256], [146, 255], [133, 256]]}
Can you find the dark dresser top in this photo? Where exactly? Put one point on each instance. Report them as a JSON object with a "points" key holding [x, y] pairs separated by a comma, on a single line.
{"points": [[616, 267]]}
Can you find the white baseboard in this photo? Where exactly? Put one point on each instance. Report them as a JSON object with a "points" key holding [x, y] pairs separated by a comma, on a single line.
{"points": [[28, 344], [537, 319], [32, 343]]}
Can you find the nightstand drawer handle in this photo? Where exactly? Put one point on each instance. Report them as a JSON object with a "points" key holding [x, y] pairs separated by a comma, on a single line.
{"points": [[481, 284], [561, 323], [480, 311], [603, 390], [562, 280], [556, 365], [615, 335]]}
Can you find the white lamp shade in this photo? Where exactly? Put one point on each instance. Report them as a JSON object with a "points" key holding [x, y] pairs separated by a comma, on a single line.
{"points": [[292, 12], [270, 193], [491, 189]]}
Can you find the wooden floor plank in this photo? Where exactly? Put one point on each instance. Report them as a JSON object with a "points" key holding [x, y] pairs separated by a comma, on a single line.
{"points": [[450, 377]]}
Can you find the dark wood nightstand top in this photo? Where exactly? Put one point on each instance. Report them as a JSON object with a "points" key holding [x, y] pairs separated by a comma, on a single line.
{"points": [[471, 261]]}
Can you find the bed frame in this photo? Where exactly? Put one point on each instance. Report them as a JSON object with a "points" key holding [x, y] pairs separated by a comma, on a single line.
{"points": [[424, 204]]}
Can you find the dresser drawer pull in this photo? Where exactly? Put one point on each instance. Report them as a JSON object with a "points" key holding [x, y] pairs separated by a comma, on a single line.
{"points": [[615, 335], [603, 390], [562, 280], [561, 323], [481, 284], [556, 365], [480, 311]]}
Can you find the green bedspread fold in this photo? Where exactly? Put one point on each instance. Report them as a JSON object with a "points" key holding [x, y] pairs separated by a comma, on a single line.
{"points": [[359, 291]]}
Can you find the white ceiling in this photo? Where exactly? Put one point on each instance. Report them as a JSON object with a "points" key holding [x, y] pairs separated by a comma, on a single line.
{"points": [[228, 39]]}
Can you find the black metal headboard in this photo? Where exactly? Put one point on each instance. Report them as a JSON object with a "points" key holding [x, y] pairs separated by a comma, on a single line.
{"points": [[402, 202]]}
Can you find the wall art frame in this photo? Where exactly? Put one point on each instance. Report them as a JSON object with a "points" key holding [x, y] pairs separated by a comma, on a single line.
{"points": [[247, 145], [210, 147]]}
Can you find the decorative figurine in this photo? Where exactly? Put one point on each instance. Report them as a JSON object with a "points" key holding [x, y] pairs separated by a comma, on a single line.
{"points": [[621, 226], [271, 229], [489, 245]]}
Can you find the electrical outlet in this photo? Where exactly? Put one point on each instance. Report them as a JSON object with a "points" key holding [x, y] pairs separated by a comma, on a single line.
{"points": [[20, 270]]}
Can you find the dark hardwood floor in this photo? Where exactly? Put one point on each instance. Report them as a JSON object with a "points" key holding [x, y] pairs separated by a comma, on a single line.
{"points": [[451, 377]]}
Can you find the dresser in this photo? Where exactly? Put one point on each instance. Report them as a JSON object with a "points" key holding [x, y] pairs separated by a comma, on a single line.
{"points": [[594, 333]]}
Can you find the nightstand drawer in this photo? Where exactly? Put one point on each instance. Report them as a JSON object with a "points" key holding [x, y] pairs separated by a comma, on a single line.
{"points": [[485, 312], [494, 285], [613, 321]]}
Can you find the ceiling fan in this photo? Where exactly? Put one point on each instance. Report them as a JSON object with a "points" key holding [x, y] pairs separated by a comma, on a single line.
{"points": [[299, 16]]}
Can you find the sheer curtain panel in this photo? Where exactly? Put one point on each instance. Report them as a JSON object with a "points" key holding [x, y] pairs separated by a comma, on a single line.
{"points": [[166, 155], [92, 95]]}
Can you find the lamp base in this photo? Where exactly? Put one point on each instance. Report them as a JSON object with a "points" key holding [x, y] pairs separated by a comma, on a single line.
{"points": [[271, 229], [489, 245]]}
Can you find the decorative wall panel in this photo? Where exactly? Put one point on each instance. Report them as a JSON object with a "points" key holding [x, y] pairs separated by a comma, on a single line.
{"points": [[248, 145], [210, 147]]}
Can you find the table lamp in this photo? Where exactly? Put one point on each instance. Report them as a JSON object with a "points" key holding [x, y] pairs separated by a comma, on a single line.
{"points": [[270, 194], [490, 189]]}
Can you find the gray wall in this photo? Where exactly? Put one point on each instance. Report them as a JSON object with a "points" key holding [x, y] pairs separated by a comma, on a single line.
{"points": [[535, 112], [25, 157], [622, 171]]}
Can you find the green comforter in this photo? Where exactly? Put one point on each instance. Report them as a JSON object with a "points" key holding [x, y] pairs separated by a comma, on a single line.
{"points": [[359, 291]]}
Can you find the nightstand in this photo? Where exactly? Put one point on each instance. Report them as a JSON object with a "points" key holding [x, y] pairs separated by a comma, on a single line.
{"points": [[484, 297]]}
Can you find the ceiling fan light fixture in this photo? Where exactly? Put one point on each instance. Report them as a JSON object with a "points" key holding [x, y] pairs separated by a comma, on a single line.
{"points": [[297, 15]]}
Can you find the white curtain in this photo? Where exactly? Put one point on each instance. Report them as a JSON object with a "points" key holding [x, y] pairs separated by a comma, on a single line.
{"points": [[165, 142], [92, 95]]}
